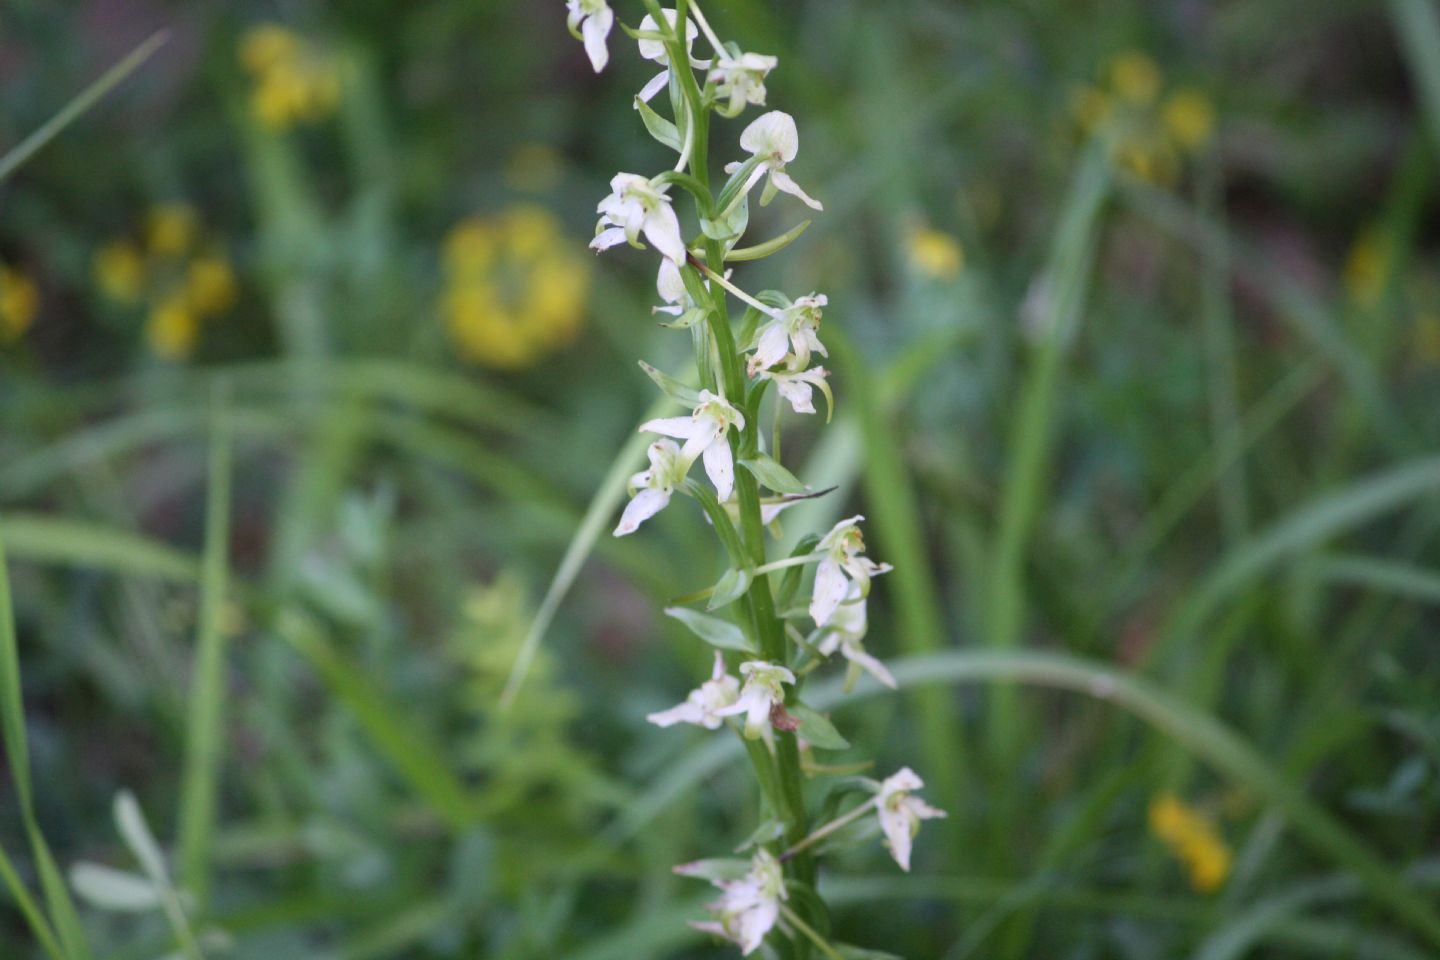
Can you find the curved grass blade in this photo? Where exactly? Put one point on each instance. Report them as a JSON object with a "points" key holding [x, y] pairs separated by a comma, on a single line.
{"points": [[1196, 731], [1302, 529], [597, 517]]}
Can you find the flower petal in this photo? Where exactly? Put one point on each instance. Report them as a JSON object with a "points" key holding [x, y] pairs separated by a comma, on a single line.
{"points": [[783, 182], [605, 239], [645, 505], [686, 712], [830, 588], [720, 467], [681, 427], [772, 133], [595, 29], [662, 228], [654, 86], [896, 825]]}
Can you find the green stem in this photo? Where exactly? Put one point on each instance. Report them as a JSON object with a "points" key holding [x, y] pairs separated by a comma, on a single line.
{"points": [[827, 829], [793, 918]]}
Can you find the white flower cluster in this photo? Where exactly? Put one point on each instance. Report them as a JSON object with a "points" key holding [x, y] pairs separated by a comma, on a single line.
{"points": [[778, 342]]}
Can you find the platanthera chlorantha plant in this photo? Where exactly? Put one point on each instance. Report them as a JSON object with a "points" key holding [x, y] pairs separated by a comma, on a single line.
{"points": [[768, 638]]}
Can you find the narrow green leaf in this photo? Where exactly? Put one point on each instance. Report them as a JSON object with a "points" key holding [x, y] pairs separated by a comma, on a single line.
{"points": [[713, 630], [66, 922], [660, 128], [769, 472], [730, 587], [676, 390], [597, 517], [86, 99], [817, 729], [408, 750], [761, 250], [205, 732]]}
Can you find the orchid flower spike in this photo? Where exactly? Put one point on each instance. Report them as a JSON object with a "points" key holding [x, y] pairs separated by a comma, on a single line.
{"points": [[843, 562], [635, 206], [791, 334], [748, 908], [847, 627], [655, 50], [700, 707], [590, 21], [761, 692], [706, 435], [653, 487], [773, 142], [740, 79], [900, 814]]}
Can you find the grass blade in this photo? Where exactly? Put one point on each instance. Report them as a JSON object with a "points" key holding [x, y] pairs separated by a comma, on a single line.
{"points": [[597, 518], [1417, 26], [86, 99], [71, 936], [1195, 731], [408, 751], [200, 782], [54, 540]]}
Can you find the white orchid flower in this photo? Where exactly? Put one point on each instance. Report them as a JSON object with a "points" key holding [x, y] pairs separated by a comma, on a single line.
{"points": [[590, 21], [700, 707], [843, 563], [900, 814], [706, 436], [655, 50], [740, 80], [761, 692], [749, 907], [635, 206], [773, 142], [795, 386], [847, 628], [653, 487], [790, 335]]}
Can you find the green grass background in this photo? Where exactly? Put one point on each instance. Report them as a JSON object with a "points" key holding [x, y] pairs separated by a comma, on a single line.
{"points": [[1160, 489]]}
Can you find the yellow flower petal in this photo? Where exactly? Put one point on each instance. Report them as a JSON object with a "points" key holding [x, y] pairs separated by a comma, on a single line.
{"points": [[19, 302], [170, 229], [172, 329], [119, 272], [1135, 77], [1189, 116]]}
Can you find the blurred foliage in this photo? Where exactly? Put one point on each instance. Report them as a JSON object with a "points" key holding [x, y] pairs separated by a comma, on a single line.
{"points": [[354, 230]]}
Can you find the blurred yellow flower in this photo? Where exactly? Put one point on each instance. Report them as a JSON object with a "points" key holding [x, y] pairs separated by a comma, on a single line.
{"points": [[514, 289], [534, 168], [1367, 267], [210, 285], [1145, 140], [1149, 159], [170, 229], [1427, 338], [1193, 840], [934, 253], [19, 302], [179, 277], [1090, 106], [120, 272], [1189, 117], [1135, 77], [293, 82], [172, 329]]}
